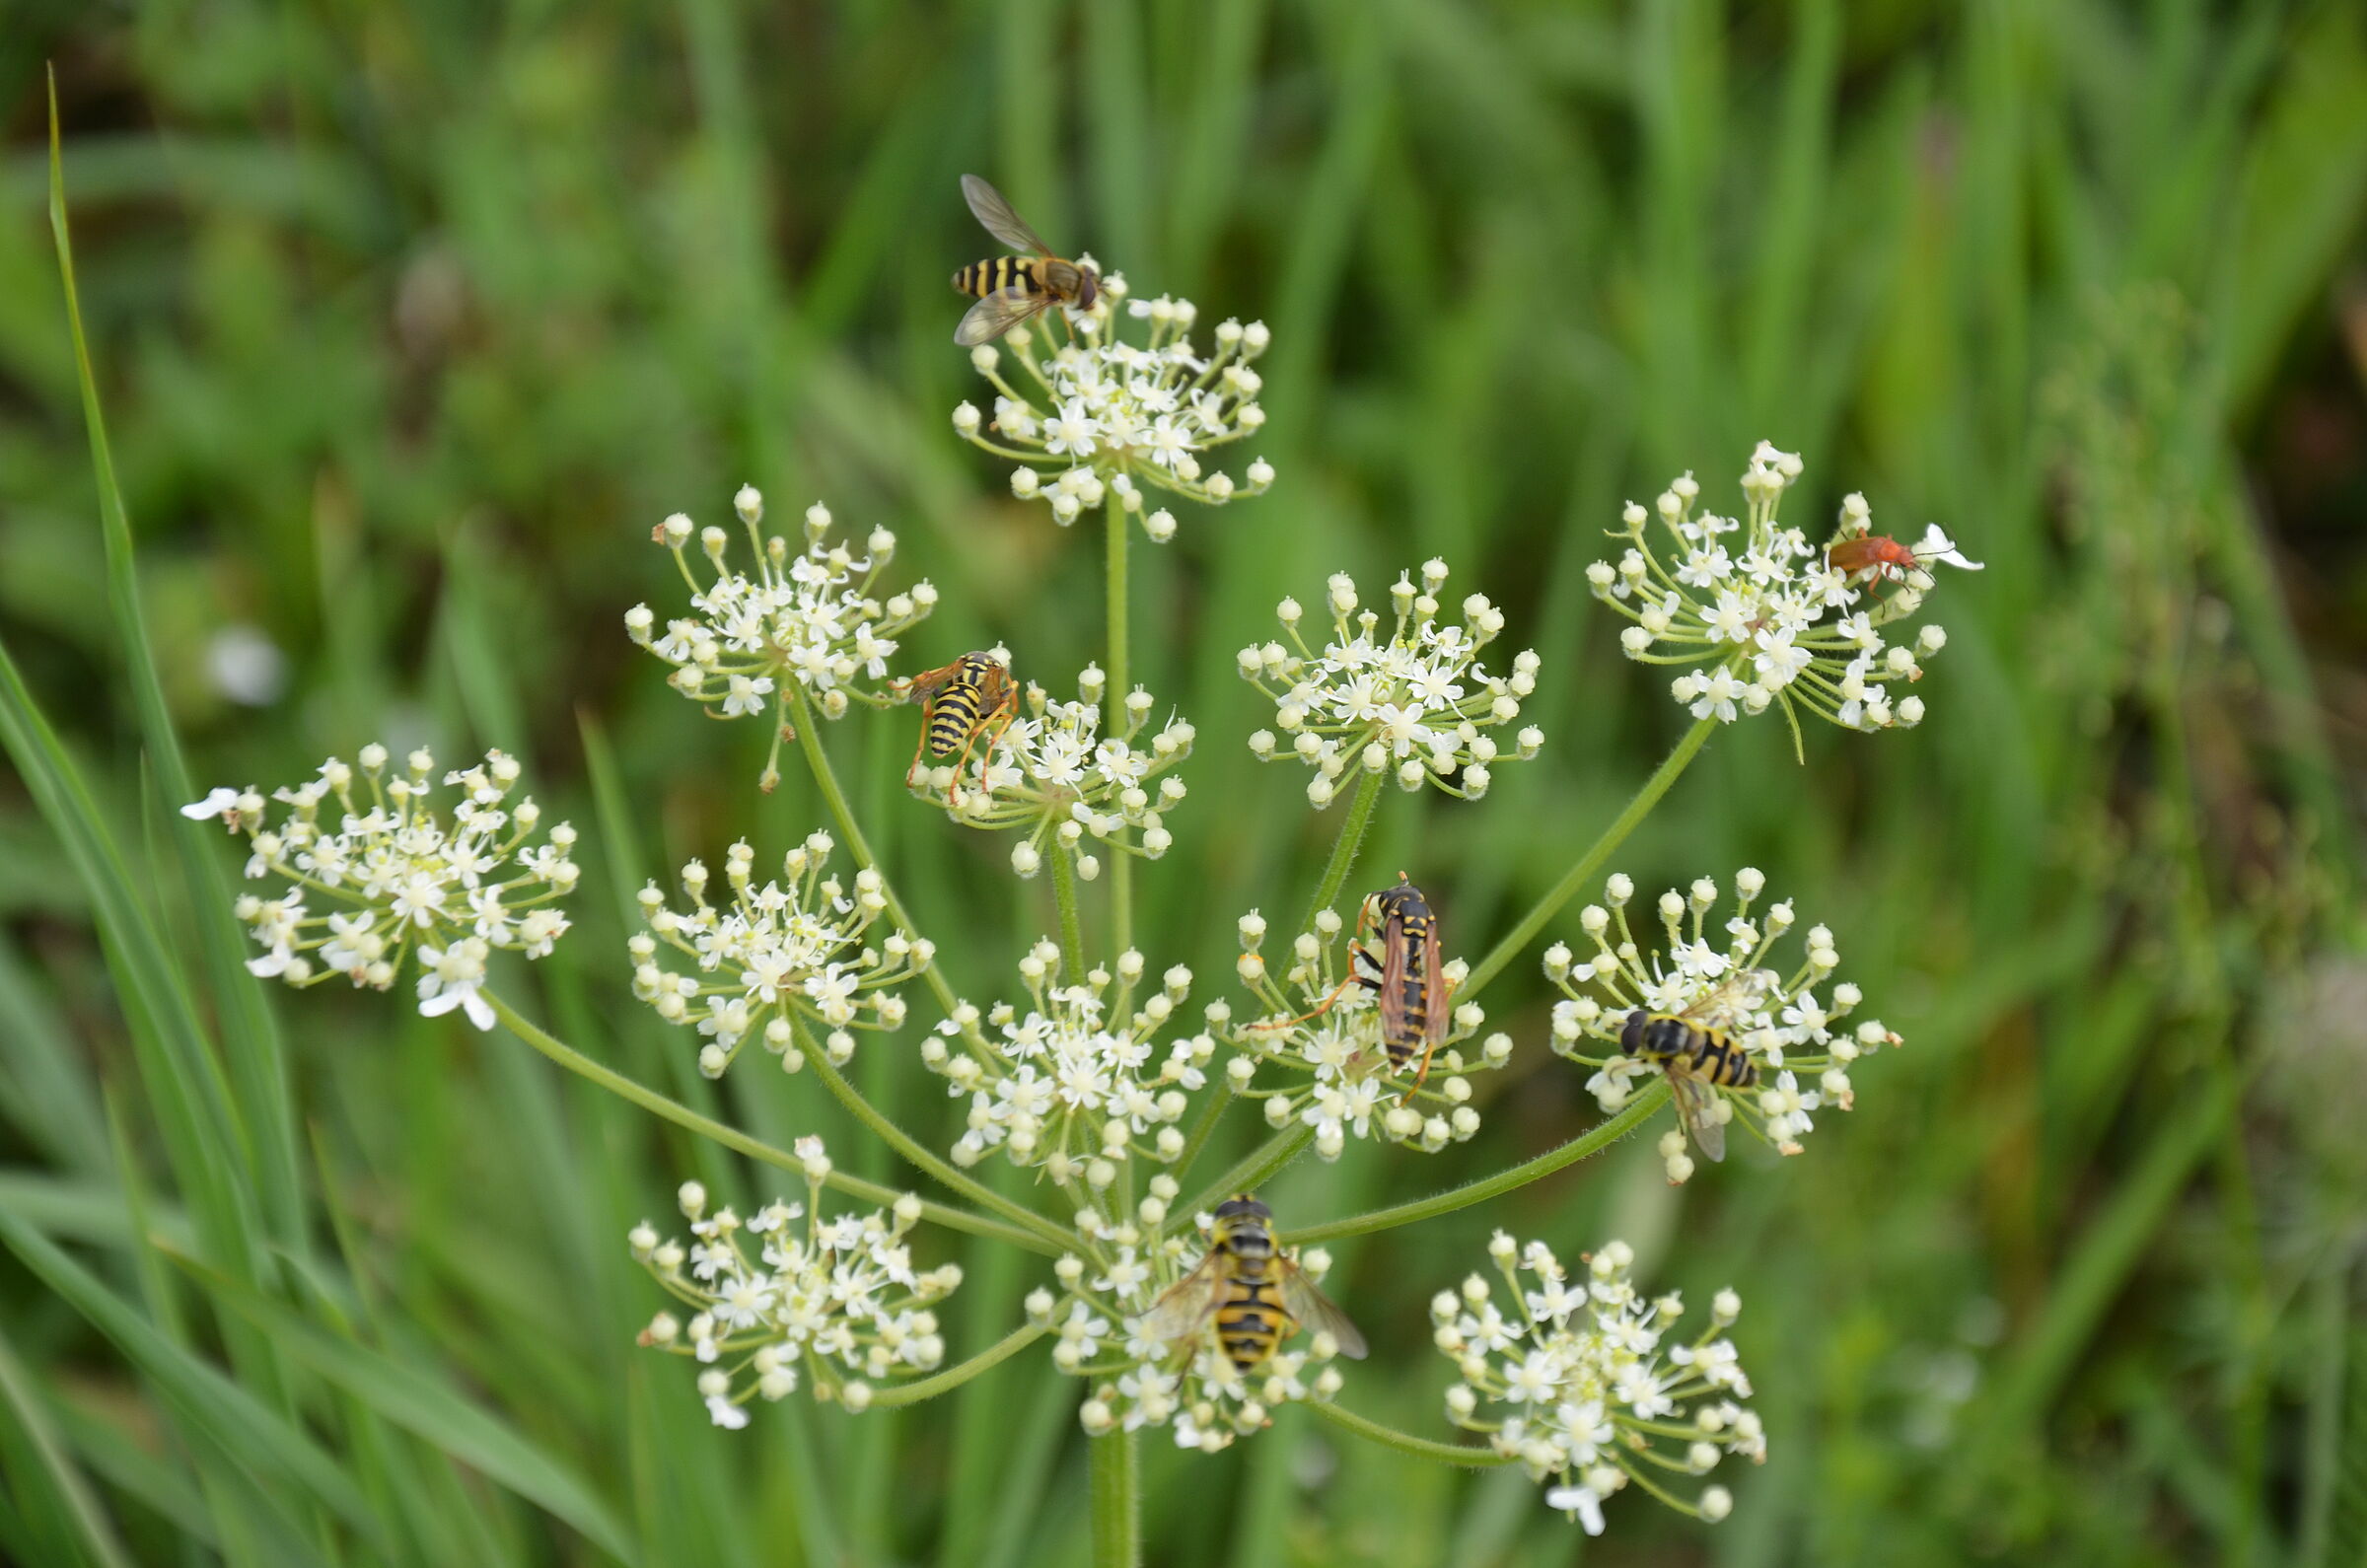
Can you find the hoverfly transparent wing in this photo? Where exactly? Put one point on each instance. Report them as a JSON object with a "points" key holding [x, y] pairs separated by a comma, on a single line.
{"points": [[1697, 1108], [997, 314], [1435, 1012], [1183, 1312], [987, 206], [1314, 1310]]}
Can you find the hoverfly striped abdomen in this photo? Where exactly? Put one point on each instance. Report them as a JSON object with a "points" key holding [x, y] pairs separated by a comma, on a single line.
{"points": [[1406, 919], [1250, 1321], [1247, 1292], [960, 703], [997, 273], [965, 704], [1710, 1054]]}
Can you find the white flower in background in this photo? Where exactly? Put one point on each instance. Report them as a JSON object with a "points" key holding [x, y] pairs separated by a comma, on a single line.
{"points": [[1764, 617], [794, 947], [1078, 1082], [1055, 775], [1582, 1381], [246, 665], [1415, 701], [1097, 418], [1715, 976], [812, 617], [382, 871], [1330, 1071], [769, 1297], [1095, 1311]]}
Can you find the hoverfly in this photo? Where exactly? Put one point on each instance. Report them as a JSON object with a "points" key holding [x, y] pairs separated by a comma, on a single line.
{"points": [[1014, 289], [1699, 1058], [1407, 977], [960, 703], [1255, 1297]]}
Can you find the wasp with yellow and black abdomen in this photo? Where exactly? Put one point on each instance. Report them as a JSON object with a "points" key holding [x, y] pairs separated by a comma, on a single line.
{"points": [[970, 700], [1248, 1292], [1407, 978], [1699, 1058], [1012, 289]]}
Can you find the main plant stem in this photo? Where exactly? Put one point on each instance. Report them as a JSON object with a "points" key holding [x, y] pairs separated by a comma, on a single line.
{"points": [[1072, 929], [1113, 716], [1589, 864], [1116, 1463], [809, 740]]}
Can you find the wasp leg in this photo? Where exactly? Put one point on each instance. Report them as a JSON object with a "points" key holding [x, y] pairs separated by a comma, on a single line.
{"points": [[1421, 1073]]}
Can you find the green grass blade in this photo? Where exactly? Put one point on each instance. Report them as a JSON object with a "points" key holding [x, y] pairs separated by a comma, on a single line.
{"points": [[69, 1493]]}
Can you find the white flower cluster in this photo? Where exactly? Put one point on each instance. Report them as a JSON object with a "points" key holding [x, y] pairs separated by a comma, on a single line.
{"points": [[1417, 700], [1195, 1391], [1766, 617], [1077, 1084], [1575, 1381], [1055, 774], [839, 1296], [792, 948], [1100, 417], [1718, 981], [392, 874], [812, 617], [1335, 1075]]}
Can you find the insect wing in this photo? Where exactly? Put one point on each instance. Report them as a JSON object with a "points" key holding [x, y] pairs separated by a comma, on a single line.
{"points": [[1315, 1313], [1393, 979], [1434, 991], [1697, 1105], [997, 314], [987, 206], [1184, 1310]]}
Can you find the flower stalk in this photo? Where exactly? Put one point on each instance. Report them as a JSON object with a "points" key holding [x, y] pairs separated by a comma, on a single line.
{"points": [[952, 1377], [1115, 1466], [1345, 848], [1389, 1437]]}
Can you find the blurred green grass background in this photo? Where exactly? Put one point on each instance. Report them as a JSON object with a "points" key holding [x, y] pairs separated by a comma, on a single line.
{"points": [[411, 320]]}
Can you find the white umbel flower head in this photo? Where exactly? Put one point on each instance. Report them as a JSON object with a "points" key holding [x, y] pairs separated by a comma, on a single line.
{"points": [[1193, 1391], [770, 1299], [1081, 1080], [393, 873], [1754, 616], [1314, 1053], [810, 616], [1099, 420], [1583, 1382], [775, 960], [1789, 1028], [1414, 700], [1058, 776]]}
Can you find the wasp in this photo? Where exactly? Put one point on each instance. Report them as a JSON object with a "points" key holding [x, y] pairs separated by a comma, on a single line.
{"points": [[961, 703], [1405, 977], [1699, 1058], [1254, 1296], [1013, 289]]}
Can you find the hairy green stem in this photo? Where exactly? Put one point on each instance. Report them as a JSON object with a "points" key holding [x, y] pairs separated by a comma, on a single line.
{"points": [[1253, 1172], [1405, 1442], [1632, 1115], [681, 1115], [1072, 929], [1116, 1463], [809, 740], [918, 1153], [1003, 1349], [1589, 864], [1344, 849]]}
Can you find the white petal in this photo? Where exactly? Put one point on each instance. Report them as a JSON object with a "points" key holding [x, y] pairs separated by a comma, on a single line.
{"points": [[216, 802], [480, 1013]]}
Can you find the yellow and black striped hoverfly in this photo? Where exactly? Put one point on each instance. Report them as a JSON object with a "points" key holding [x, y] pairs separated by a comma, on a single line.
{"points": [[1699, 1058], [1407, 978], [1013, 289], [1254, 1297], [962, 702]]}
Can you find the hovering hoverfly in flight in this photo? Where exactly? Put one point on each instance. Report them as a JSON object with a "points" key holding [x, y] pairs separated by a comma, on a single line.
{"points": [[1254, 1297], [1699, 1058], [1012, 289]]}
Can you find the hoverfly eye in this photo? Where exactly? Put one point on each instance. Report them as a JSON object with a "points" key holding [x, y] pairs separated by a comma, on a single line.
{"points": [[1089, 288]]}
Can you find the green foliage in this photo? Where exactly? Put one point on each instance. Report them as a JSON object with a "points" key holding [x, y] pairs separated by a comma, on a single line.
{"points": [[409, 321]]}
